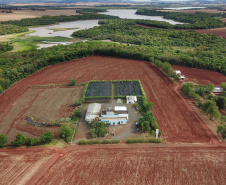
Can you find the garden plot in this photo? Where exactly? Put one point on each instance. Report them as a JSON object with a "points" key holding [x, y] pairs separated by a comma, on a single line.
{"points": [[98, 89], [125, 88]]}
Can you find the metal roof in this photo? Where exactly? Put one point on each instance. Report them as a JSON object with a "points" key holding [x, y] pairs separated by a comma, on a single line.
{"points": [[93, 108], [218, 90]]}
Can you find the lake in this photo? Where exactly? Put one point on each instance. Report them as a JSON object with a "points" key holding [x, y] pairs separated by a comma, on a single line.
{"points": [[46, 31], [130, 14], [184, 8]]}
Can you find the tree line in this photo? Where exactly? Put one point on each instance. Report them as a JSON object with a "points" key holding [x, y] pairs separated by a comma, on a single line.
{"points": [[194, 21], [5, 47], [10, 28]]}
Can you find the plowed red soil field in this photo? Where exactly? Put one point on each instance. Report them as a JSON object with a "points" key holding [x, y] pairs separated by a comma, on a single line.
{"points": [[201, 76], [217, 31], [119, 164], [19, 165], [177, 120], [45, 105]]}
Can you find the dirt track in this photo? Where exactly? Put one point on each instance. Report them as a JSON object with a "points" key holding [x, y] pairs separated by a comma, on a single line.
{"points": [[118, 164], [178, 121], [201, 76]]}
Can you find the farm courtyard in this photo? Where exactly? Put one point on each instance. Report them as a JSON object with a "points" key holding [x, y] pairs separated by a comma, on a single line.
{"points": [[176, 118]]}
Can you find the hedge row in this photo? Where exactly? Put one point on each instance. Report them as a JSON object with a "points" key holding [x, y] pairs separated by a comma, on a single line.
{"points": [[93, 142], [140, 140]]}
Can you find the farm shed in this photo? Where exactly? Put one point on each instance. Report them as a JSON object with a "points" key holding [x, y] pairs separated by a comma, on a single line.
{"points": [[117, 116], [131, 99], [218, 91], [93, 112]]}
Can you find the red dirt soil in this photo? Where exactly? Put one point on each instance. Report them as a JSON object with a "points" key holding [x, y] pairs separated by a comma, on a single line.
{"points": [[134, 164], [177, 120], [201, 76], [217, 31], [19, 165]]}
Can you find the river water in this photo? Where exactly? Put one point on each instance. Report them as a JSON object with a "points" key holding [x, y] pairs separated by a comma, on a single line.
{"points": [[46, 31], [130, 14], [184, 8]]}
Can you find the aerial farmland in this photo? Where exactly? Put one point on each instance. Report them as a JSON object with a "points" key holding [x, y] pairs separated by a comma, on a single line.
{"points": [[172, 131]]}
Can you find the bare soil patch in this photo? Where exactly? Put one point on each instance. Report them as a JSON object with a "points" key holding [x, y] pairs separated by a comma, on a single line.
{"points": [[217, 31], [177, 120], [21, 14], [45, 105], [201, 76]]}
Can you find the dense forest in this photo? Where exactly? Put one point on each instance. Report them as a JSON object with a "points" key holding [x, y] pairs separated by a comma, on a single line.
{"points": [[9, 29], [193, 21], [5, 47], [187, 48], [91, 10]]}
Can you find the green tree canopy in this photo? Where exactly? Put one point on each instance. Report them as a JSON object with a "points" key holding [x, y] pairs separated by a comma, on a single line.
{"points": [[99, 129], [211, 109], [3, 140], [72, 82], [46, 137], [19, 141], [1, 89], [223, 85], [31, 141], [222, 129], [66, 133]]}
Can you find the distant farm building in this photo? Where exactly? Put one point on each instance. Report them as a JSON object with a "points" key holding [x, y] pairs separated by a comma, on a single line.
{"points": [[116, 116], [131, 99], [218, 91], [181, 76], [93, 112]]}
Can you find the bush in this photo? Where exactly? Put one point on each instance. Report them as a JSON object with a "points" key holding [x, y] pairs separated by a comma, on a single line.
{"points": [[211, 109], [77, 114], [3, 140], [92, 142], [108, 141], [82, 142], [46, 137], [135, 140], [31, 142], [72, 82], [1, 89], [222, 129], [19, 141], [66, 133], [155, 140], [88, 142]]}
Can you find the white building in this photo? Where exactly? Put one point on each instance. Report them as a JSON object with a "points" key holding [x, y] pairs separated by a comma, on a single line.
{"points": [[218, 90], [115, 117], [181, 76], [93, 112], [131, 99]]}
